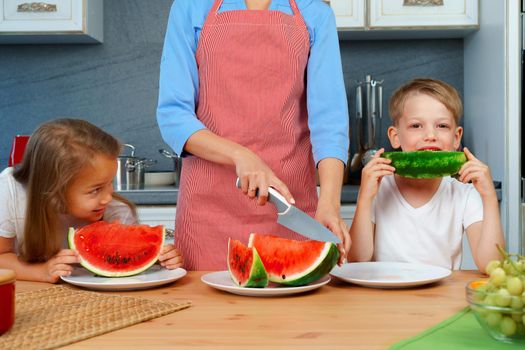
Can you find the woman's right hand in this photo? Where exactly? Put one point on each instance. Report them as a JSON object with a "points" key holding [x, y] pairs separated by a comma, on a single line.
{"points": [[372, 174], [256, 177], [59, 265]]}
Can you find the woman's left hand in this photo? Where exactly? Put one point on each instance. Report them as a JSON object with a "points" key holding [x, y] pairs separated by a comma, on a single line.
{"points": [[170, 257], [330, 216]]}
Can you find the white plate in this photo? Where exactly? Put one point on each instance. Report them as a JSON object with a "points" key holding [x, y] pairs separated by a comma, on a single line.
{"points": [[382, 274], [221, 280], [152, 277]]}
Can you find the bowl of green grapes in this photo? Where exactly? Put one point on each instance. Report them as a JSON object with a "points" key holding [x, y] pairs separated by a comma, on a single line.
{"points": [[498, 302]]}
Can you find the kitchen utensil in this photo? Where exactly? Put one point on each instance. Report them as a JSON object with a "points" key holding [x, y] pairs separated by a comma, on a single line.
{"points": [[296, 220], [369, 113], [159, 178], [130, 171], [7, 299], [177, 163], [17, 149]]}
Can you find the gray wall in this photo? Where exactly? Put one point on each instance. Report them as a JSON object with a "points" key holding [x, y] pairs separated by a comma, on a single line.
{"points": [[114, 85]]}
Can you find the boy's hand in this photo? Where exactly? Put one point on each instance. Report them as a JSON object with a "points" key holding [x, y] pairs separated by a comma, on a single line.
{"points": [[170, 257], [478, 173], [59, 265], [372, 174]]}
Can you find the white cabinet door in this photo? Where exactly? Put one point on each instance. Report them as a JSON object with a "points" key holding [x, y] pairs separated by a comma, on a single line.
{"points": [[157, 215], [424, 14], [349, 14], [52, 21], [347, 213]]}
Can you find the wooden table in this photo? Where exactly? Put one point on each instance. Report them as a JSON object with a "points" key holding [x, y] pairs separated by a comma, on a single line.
{"points": [[336, 316]]}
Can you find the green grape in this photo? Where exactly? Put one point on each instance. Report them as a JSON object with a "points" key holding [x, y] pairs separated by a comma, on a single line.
{"points": [[521, 266], [523, 297], [498, 276], [508, 326], [523, 319], [493, 318], [503, 297], [514, 285], [516, 303], [516, 317], [520, 329], [492, 265], [489, 300]]}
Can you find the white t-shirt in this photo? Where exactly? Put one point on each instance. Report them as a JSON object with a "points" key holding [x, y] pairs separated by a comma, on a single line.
{"points": [[13, 203], [430, 234]]}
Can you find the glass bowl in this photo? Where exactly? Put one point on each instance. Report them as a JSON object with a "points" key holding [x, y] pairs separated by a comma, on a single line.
{"points": [[504, 323]]}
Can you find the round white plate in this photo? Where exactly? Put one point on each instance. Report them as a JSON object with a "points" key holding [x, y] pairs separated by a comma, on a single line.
{"points": [[221, 280], [152, 277], [382, 274]]}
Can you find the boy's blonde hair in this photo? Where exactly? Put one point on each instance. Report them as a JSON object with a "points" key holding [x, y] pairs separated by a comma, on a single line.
{"points": [[55, 154], [441, 91]]}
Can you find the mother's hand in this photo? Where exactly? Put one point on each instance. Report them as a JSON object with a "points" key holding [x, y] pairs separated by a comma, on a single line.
{"points": [[256, 176], [330, 216]]}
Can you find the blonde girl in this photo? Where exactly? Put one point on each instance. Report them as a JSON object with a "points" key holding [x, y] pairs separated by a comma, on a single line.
{"points": [[65, 180]]}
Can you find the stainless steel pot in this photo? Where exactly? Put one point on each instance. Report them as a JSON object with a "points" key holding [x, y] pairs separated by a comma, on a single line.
{"points": [[177, 163], [130, 171]]}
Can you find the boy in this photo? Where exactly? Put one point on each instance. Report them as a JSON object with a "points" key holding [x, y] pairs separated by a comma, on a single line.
{"points": [[423, 220]]}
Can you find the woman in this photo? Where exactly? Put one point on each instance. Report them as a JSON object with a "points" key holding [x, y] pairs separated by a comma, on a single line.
{"points": [[252, 89]]}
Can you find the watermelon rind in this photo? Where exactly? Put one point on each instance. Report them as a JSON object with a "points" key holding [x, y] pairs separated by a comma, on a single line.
{"points": [[258, 276], [105, 273], [426, 164], [324, 263]]}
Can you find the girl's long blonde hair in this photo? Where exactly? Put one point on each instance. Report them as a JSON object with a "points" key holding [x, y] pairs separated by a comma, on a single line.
{"points": [[55, 154]]}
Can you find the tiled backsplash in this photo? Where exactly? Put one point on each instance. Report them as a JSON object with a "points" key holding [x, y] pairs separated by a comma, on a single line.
{"points": [[115, 85]]}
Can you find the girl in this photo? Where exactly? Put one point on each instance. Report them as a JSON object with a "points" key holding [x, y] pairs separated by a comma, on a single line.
{"points": [[65, 180]]}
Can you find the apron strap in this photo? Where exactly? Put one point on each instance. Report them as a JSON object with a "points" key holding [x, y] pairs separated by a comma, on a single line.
{"points": [[212, 15]]}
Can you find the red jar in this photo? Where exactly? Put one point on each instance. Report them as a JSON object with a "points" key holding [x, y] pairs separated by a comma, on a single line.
{"points": [[7, 299]]}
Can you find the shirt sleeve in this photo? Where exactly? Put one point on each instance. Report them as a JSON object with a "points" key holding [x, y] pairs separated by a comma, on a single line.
{"points": [[326, 94], [7, 213], [473, 208], [178, 83]]}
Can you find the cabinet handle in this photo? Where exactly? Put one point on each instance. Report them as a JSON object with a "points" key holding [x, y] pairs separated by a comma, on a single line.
{"points": [[36, 7], [423, 3]]}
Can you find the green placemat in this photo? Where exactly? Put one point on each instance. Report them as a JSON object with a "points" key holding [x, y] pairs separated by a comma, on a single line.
{"points": [[461, 331]]}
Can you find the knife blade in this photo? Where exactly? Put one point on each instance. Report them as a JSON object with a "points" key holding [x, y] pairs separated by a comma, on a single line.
{"points": [[297, 220]]}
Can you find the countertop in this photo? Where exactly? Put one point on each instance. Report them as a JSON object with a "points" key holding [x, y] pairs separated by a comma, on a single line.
{"points": [[166, 195], [336, 316]]}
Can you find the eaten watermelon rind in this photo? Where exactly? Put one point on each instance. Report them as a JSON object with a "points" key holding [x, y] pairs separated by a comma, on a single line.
{"points": [[320, 268], [258, 276], [100, 272]]}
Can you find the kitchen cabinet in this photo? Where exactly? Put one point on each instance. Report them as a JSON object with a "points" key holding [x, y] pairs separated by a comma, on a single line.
{"points": [[405, 19], [53, 21], [424, 14], [349, 14]]}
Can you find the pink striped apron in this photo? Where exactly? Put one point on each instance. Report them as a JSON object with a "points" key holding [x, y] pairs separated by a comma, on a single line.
{"points": [[252, 91]]}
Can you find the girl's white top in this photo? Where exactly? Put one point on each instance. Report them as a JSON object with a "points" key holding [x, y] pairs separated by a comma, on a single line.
{"points": [[13, 203], [431, 234]]}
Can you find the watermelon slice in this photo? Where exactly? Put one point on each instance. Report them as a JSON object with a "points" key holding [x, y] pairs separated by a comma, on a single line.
{"points": [[294, 263], [245, 266], [117, 250]]}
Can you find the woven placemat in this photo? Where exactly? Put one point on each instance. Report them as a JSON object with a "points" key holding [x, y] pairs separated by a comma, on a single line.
{"points": [[60, 315]]}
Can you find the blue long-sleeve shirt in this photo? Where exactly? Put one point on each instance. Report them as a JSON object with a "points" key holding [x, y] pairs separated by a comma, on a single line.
{"points": [[326, 94]]}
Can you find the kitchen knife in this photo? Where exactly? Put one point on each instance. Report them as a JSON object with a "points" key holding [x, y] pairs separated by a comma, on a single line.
{"points": [[296, 220]]}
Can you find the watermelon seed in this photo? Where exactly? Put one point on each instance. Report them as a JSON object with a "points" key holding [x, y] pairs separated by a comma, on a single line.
{"points": [[284, 277]]}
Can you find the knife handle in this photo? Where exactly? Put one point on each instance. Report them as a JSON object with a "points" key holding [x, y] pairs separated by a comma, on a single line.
{"points": [[273, 196]]}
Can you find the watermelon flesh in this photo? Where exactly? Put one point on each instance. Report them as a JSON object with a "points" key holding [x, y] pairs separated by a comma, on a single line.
{"points": [[245, 266], [115, 249], [294, 263]]}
